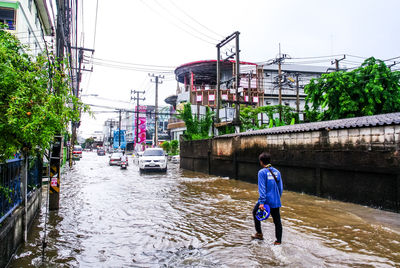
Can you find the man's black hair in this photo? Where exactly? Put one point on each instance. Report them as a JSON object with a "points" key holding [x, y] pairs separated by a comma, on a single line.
{"points": [[265, 158]]}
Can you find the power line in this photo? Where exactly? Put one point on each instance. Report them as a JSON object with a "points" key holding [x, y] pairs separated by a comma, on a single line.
{"points": [[191, 27], [205, 27], [158, 13], [137, 64], [95, 25]]}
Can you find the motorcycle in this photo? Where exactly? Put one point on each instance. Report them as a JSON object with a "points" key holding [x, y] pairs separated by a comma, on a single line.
{"points": [[123, 164]]}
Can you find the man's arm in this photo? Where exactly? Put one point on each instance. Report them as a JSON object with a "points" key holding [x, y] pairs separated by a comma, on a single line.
{"points": [[262, 188]]}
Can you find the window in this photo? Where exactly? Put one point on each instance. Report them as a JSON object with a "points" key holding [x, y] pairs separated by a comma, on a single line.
{"points": [[7, 16]]}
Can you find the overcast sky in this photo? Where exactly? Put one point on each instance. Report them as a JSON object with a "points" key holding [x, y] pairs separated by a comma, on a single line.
{"points": [[169, 33]]}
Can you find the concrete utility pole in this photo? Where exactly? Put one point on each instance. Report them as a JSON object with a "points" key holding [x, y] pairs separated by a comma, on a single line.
{"points": [[336, 62], [279, 61], [55, 155], [75, 125], [297, 94], [156, 77], [137, 111]]}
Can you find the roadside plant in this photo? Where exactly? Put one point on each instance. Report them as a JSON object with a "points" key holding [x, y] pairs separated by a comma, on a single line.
{"points": [[196, 129], [166, 146], [174, 147], [368, 90], [35, 99], [249, 117]]}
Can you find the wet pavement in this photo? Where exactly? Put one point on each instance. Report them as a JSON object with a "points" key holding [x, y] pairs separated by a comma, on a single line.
{"points": [[110, 217]]}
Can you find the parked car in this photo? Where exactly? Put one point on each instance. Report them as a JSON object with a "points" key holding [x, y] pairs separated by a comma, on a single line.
{"points": [[77, 152], [101, 152], [153, 159]]}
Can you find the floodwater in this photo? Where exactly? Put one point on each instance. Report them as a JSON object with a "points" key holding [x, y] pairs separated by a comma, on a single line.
{"points": [[120, 218]]}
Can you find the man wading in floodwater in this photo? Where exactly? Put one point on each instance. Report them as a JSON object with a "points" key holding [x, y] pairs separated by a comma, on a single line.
{"points": [[270, 189]]}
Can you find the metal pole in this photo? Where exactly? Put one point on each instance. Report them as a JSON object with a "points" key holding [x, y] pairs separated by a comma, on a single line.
{"points": [[218, 83], [156, 115], [280, 83], [237, 78], [297, 93]]}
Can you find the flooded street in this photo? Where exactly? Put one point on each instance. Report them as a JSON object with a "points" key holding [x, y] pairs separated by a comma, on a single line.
{"points": [[110, 217]]}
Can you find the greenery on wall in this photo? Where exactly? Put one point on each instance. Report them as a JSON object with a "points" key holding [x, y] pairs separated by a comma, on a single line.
{"points": [[368, 90]]}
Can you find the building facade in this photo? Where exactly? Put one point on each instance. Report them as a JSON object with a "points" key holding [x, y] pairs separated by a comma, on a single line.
{"points": [[258, 86], [29, 20]]}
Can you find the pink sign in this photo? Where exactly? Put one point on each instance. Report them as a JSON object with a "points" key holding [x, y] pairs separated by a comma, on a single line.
{"points": [[141, 124]]}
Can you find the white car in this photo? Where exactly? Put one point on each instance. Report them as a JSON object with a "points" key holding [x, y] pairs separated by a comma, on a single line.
{"points": [[153, 159]]}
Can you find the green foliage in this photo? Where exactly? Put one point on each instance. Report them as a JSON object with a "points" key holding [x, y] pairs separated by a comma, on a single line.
{"points": [[249, 117], [88, 142], [174, 147], [35, 100], [196, 129], [368, 90], [166, 146]]}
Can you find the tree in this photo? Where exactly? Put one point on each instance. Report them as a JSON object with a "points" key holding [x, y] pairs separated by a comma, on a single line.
{"points": [[89, 142], [370, 89], [166, 146], [31, 112], [196, 128]]}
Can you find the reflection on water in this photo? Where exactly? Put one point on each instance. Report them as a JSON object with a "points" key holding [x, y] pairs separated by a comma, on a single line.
{"points": [[120, 218]]}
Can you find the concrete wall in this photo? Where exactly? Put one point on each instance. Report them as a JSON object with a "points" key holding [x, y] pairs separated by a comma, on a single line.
{"points": [[12, 230], [360, 165]]}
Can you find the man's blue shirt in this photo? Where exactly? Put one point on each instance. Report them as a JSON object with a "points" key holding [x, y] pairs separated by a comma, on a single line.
{"points": [[270, 192]]}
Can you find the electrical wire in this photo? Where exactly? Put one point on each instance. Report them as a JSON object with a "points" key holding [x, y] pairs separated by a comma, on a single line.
{"points": [[191, 27], [183, 29], [95, 25], [190, 17], [136, 64]]}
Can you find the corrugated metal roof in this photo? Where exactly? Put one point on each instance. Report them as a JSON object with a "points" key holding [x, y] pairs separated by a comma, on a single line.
{"points": [[365, 121]]}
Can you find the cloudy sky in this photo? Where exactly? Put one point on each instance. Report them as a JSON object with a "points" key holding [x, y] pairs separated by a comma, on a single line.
{"points": [[134, 37]]}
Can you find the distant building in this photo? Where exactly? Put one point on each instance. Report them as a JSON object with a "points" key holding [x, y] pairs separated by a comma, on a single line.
{"points": [[28, 20], [128, 124]]}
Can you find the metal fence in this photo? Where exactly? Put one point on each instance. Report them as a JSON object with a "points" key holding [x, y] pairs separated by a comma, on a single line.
{"points": [[11, 195]]}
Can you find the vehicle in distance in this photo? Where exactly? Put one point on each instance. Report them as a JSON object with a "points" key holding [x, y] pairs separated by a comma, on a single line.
{"points": [[175, 159], [101, 152], [153, 159], [137, 157], [77, 152], [115, 159]]}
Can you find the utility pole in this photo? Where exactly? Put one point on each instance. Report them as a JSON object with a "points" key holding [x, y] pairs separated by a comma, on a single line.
{"points": [[137, 98], [297, 93], [224, 42], [156, 77], [279, 61], [55, 155], [336, 62], [75, 125]]}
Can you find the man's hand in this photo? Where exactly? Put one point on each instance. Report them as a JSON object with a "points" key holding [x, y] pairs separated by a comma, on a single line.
{"points": [[261, 206]]}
